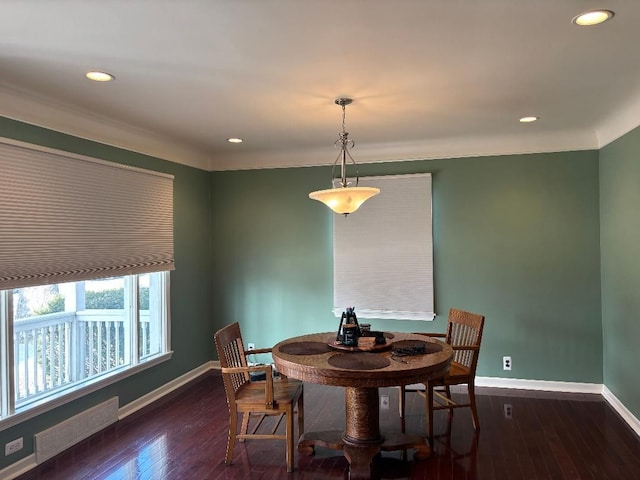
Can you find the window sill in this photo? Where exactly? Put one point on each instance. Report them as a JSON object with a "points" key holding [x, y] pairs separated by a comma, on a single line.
{"points": [[34, 409]]}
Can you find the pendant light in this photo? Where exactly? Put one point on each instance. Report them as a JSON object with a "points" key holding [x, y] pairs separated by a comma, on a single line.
{"points": [[344, 198]]}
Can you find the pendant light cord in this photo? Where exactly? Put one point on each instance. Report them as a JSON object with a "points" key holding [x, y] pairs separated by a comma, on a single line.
{"points": [[345, 144]]}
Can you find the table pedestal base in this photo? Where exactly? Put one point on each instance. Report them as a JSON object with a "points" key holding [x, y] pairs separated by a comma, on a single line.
{"points": [[361, 441]]}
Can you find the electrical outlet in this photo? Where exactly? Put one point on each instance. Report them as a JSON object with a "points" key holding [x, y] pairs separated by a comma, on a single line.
{"points": [[384, 402], [506, 363], [251, 346], [13, 447], [508, 411]]}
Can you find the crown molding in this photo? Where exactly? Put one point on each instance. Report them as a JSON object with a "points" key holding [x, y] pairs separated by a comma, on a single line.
{"points": [[44, 112], [47, 113], [619, 123], [454, 147]]}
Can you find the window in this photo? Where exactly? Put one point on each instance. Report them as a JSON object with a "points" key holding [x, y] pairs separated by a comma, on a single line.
{"points": [[85, 252], [383, 253], [69, 334]]}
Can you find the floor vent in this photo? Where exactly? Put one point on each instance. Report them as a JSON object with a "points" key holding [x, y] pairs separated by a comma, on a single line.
{"points": [[54, 440]]}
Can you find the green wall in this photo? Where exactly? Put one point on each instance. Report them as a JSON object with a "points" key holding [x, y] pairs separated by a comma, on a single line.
{"points": [[620, 237], [516, 238], [192, 330]]}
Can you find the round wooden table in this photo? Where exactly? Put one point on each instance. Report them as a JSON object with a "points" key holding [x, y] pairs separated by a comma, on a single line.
{"points": [[312, 359]]}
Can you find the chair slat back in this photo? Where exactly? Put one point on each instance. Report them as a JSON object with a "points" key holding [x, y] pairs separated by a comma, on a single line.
{"points": [[465, 329], [231, 354]]}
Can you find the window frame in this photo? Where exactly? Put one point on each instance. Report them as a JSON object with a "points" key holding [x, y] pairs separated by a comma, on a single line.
{"points": [[12, 415]]}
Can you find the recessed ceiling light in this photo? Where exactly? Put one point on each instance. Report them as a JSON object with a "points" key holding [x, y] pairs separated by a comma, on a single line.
{"points": [[234, 140], [594, 17], [99, 76], [528, 119]]}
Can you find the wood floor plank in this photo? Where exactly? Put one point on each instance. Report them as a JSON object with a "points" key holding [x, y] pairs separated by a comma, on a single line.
{"points": [[549, 436]]}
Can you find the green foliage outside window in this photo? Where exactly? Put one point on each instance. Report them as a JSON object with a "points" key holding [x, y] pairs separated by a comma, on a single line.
{"points": [[56, 304], [113, 299]]}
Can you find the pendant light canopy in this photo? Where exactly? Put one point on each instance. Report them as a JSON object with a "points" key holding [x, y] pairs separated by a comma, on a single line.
{"points": [[344, 198]]}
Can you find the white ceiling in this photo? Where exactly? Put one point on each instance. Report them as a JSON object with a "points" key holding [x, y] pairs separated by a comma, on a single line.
{"points": [[429, 78]]}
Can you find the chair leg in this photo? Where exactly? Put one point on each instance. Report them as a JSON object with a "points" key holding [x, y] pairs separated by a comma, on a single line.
{"points": [[401, 407], [301, 414], [245, 425], [447, 392], [289, 440], [231, 439], [429, 399], [474, 409]]}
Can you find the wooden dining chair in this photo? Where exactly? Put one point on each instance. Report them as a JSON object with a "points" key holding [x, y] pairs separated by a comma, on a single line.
{"points": [[281, 397], [464, 334]]}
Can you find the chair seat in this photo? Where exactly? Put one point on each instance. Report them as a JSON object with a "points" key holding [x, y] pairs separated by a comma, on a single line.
{"points": [[457, 374], [251, 395]]}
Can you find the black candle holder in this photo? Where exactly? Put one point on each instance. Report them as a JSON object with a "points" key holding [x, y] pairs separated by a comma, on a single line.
{"points": [[349, 329]]}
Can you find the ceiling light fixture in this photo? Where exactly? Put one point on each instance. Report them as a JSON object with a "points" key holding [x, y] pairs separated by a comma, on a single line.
{"points": [[528, 119], [593, 17], [234, 140], [99, 76], [345, 198]]}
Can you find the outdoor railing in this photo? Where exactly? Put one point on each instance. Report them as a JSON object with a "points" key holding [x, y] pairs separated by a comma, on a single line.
{"points": [[55, 350]]}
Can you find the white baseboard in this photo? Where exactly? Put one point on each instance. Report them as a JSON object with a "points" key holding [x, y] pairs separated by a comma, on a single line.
{"points": [[544, 385], [568, 387], [623, 411], [20, 467], [158, 393]]}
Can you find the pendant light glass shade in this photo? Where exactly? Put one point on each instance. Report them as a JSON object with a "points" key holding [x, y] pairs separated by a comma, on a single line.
{"points": [[344, 199]]}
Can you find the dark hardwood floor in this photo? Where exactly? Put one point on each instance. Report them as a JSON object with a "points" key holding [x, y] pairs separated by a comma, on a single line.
{"points": [[548, 436]]}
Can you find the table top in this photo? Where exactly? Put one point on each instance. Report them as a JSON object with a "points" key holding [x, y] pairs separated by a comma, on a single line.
{"points": [[310, 358]]}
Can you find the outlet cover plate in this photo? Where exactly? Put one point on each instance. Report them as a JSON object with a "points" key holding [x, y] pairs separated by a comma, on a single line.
{"points": [[13, 447], [506, 363]]}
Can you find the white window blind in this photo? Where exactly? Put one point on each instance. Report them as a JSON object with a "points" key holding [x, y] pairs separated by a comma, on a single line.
{"points": [[66, 217], [383, 253]]}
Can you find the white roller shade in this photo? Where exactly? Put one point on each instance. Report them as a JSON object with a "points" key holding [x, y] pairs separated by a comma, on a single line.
{"points": [[65, 217], [383, 253]]}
